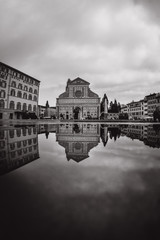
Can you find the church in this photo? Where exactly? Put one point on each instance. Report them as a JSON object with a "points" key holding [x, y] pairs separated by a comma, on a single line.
{"points": [[78, 101]]}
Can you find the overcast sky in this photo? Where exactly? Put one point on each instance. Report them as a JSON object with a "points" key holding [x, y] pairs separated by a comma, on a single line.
{"points": [[113, 44]]}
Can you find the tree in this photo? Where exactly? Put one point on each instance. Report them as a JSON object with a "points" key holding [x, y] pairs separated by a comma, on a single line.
{"points": [[123, 116], [156, 115], [114, 107], [119, 107]]}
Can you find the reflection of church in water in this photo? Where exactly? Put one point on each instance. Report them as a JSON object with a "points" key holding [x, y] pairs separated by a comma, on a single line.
{"points": [[78, 139], [18, 147]]}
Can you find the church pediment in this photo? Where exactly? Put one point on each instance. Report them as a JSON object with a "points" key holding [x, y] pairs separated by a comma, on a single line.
{"points": [[79, 81]]}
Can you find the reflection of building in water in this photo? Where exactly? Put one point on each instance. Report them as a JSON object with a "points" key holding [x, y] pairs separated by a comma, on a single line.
{"points": [[78, 139], [149, 134], [19, 146], [47, 128], [104, 133], [153, 136], [109, 131], [135, 131]]}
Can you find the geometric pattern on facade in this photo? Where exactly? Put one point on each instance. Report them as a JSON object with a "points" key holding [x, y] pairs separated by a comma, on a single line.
{"points": [[78, 101]]}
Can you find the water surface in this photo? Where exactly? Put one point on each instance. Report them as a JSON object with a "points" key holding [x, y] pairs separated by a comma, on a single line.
{"points": [[80, 181]]}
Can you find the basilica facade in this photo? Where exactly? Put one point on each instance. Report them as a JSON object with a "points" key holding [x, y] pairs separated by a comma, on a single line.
{"points": [[78, 101]]}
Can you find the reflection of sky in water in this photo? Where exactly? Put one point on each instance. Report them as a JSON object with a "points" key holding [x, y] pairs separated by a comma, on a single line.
{"points": [[113, 194], [117, 166]]}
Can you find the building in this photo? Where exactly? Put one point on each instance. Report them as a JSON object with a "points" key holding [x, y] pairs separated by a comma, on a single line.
{"points": [[124, 108], [19, 94], [135, 110], [41, 111], [152, 102], [46, 111], [78, 101]]}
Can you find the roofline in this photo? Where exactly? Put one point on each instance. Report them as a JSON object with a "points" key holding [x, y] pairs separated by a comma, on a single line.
{"points": [[19, 71], [85, 82], [152, 94]]}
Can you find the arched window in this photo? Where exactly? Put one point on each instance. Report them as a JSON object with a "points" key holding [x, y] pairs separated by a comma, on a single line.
{"points": [[25, 88], [12, 145], [24, 107], [18, 106], [35, 98], [11, 133], [2, 134], [20, 86], [19, 144], [24, 150], [13, 84], [30, 90], [3, 84], [30, 107], [30, 149], [24, 133], [19, 94], [34, 140], [24, 143], [2, 94], [25, 95], [18, 131], [30, 97], [34, 130], [11, 105], [13, 93], [35, 91], [2, 144], [29, 131], [13, 154], [19, 152], [2, 103], [34, 108]]}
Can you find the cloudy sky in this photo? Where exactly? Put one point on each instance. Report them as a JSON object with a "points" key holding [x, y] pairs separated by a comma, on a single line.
{"points": [[113, 44]]}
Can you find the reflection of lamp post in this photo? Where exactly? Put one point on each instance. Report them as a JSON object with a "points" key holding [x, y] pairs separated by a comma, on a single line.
{"points": [[105, 107]]}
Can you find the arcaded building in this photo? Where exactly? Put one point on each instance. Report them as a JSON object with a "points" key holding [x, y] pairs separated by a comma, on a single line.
{"points": [[78, 101], [19, 93]]}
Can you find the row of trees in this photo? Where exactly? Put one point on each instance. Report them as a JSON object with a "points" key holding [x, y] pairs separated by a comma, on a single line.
{"points": [[156, 115], [114, 107]]}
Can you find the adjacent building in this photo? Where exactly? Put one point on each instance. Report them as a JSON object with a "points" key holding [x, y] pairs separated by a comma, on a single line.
{"points": [[78, 101], [47, 111], [19, 93], [152, 103], [135, 110]]}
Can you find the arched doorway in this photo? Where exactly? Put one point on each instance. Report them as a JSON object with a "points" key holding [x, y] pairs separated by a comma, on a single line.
{"points": [[76, 112]]}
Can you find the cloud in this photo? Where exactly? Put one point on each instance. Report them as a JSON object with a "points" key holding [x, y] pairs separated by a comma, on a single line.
{"points": [[105, 42], [152, 7]]}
